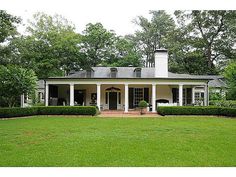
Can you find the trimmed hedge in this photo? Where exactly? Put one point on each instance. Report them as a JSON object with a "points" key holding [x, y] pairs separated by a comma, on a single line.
{"points": [[67, 110], [196, 110], [18, 112], [49, 110], [230, 112]]}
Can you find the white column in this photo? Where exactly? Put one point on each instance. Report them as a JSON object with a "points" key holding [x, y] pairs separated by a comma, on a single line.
{"points": [[72, 102], [46, 94], [126, 97], [99, 96], [153, 97], [193, 95], [22, 100], [205, 95], [180, 95]]}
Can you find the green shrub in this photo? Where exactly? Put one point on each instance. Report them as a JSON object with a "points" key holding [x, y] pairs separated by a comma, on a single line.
{"points": [[142, 104], [229, 112], [50, 110], [67, 110], [18, 112], [38, 104], [189, 110], [223, 103]]}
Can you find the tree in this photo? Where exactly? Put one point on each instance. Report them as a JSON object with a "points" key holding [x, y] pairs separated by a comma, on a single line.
{"points": [[97, 44], [15, 81], [211, 34], [7, 32], [7, 25], [125, 54], [154, 34], [51, 48], [230, 76]]}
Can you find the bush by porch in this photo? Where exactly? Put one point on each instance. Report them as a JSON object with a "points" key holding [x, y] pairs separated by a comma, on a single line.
{"points": [[196, 110], [50, 110], [223, 103]]}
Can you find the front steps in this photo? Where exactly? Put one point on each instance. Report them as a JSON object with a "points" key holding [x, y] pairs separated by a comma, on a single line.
{"points": [[121, 113]]}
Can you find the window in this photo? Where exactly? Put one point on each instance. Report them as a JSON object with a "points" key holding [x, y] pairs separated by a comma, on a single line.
{"points": [[137, 72], [202, 95], [138, 96], [199, 97], [187, 96], [89, 73], [113, 72], [175, 94]]}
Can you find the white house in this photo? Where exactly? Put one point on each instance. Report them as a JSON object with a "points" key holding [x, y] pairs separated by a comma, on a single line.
{"points": [[121, 88]]}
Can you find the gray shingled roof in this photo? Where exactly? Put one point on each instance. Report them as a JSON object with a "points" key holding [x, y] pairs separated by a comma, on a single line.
{"points": [[128, 72], [218, 81]]}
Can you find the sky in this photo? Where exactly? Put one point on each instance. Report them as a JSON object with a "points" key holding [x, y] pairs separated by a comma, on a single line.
{"points": [[115, 15]]}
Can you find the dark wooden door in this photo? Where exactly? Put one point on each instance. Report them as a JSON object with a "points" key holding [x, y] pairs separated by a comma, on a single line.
{"points": [[79, 97], [112, 100]]}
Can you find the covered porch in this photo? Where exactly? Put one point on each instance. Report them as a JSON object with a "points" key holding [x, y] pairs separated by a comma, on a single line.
{"points": [[123, 96]]}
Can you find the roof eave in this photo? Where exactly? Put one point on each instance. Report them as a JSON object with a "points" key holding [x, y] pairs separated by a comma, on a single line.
{"points": [[98, 78]]}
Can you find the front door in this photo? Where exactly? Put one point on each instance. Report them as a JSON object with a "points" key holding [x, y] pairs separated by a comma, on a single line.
{"points": [[113, 100], [79, 97]]}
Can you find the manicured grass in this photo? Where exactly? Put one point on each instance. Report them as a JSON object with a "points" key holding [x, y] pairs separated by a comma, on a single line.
{"points": [[74, 141]]}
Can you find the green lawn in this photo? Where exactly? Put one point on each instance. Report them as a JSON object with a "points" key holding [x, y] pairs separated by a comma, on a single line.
{"points": [[71, 141]]}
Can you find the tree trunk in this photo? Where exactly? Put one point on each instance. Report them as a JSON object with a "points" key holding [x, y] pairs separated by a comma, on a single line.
{"points": [[209, 61]]}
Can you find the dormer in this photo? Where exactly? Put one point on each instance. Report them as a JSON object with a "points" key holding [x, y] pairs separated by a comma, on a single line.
{"points": [[89, 73], [71, 72], [137, 72], [113, 72]]}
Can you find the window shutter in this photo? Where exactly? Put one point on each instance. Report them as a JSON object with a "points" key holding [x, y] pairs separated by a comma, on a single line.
{"points": [[146, 95], [131, 98], [175, 95], [189, 95]]}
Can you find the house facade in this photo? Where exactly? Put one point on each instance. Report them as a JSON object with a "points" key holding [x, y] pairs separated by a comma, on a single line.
{"points": [[122, 88]]}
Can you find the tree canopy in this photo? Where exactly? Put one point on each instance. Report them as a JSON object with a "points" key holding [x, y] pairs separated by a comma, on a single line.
{"points": [[8, 25], [208, 37], [103, 47], [15, 81], [50, 48], [230, 76], [8, 30], [153, 34]]}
